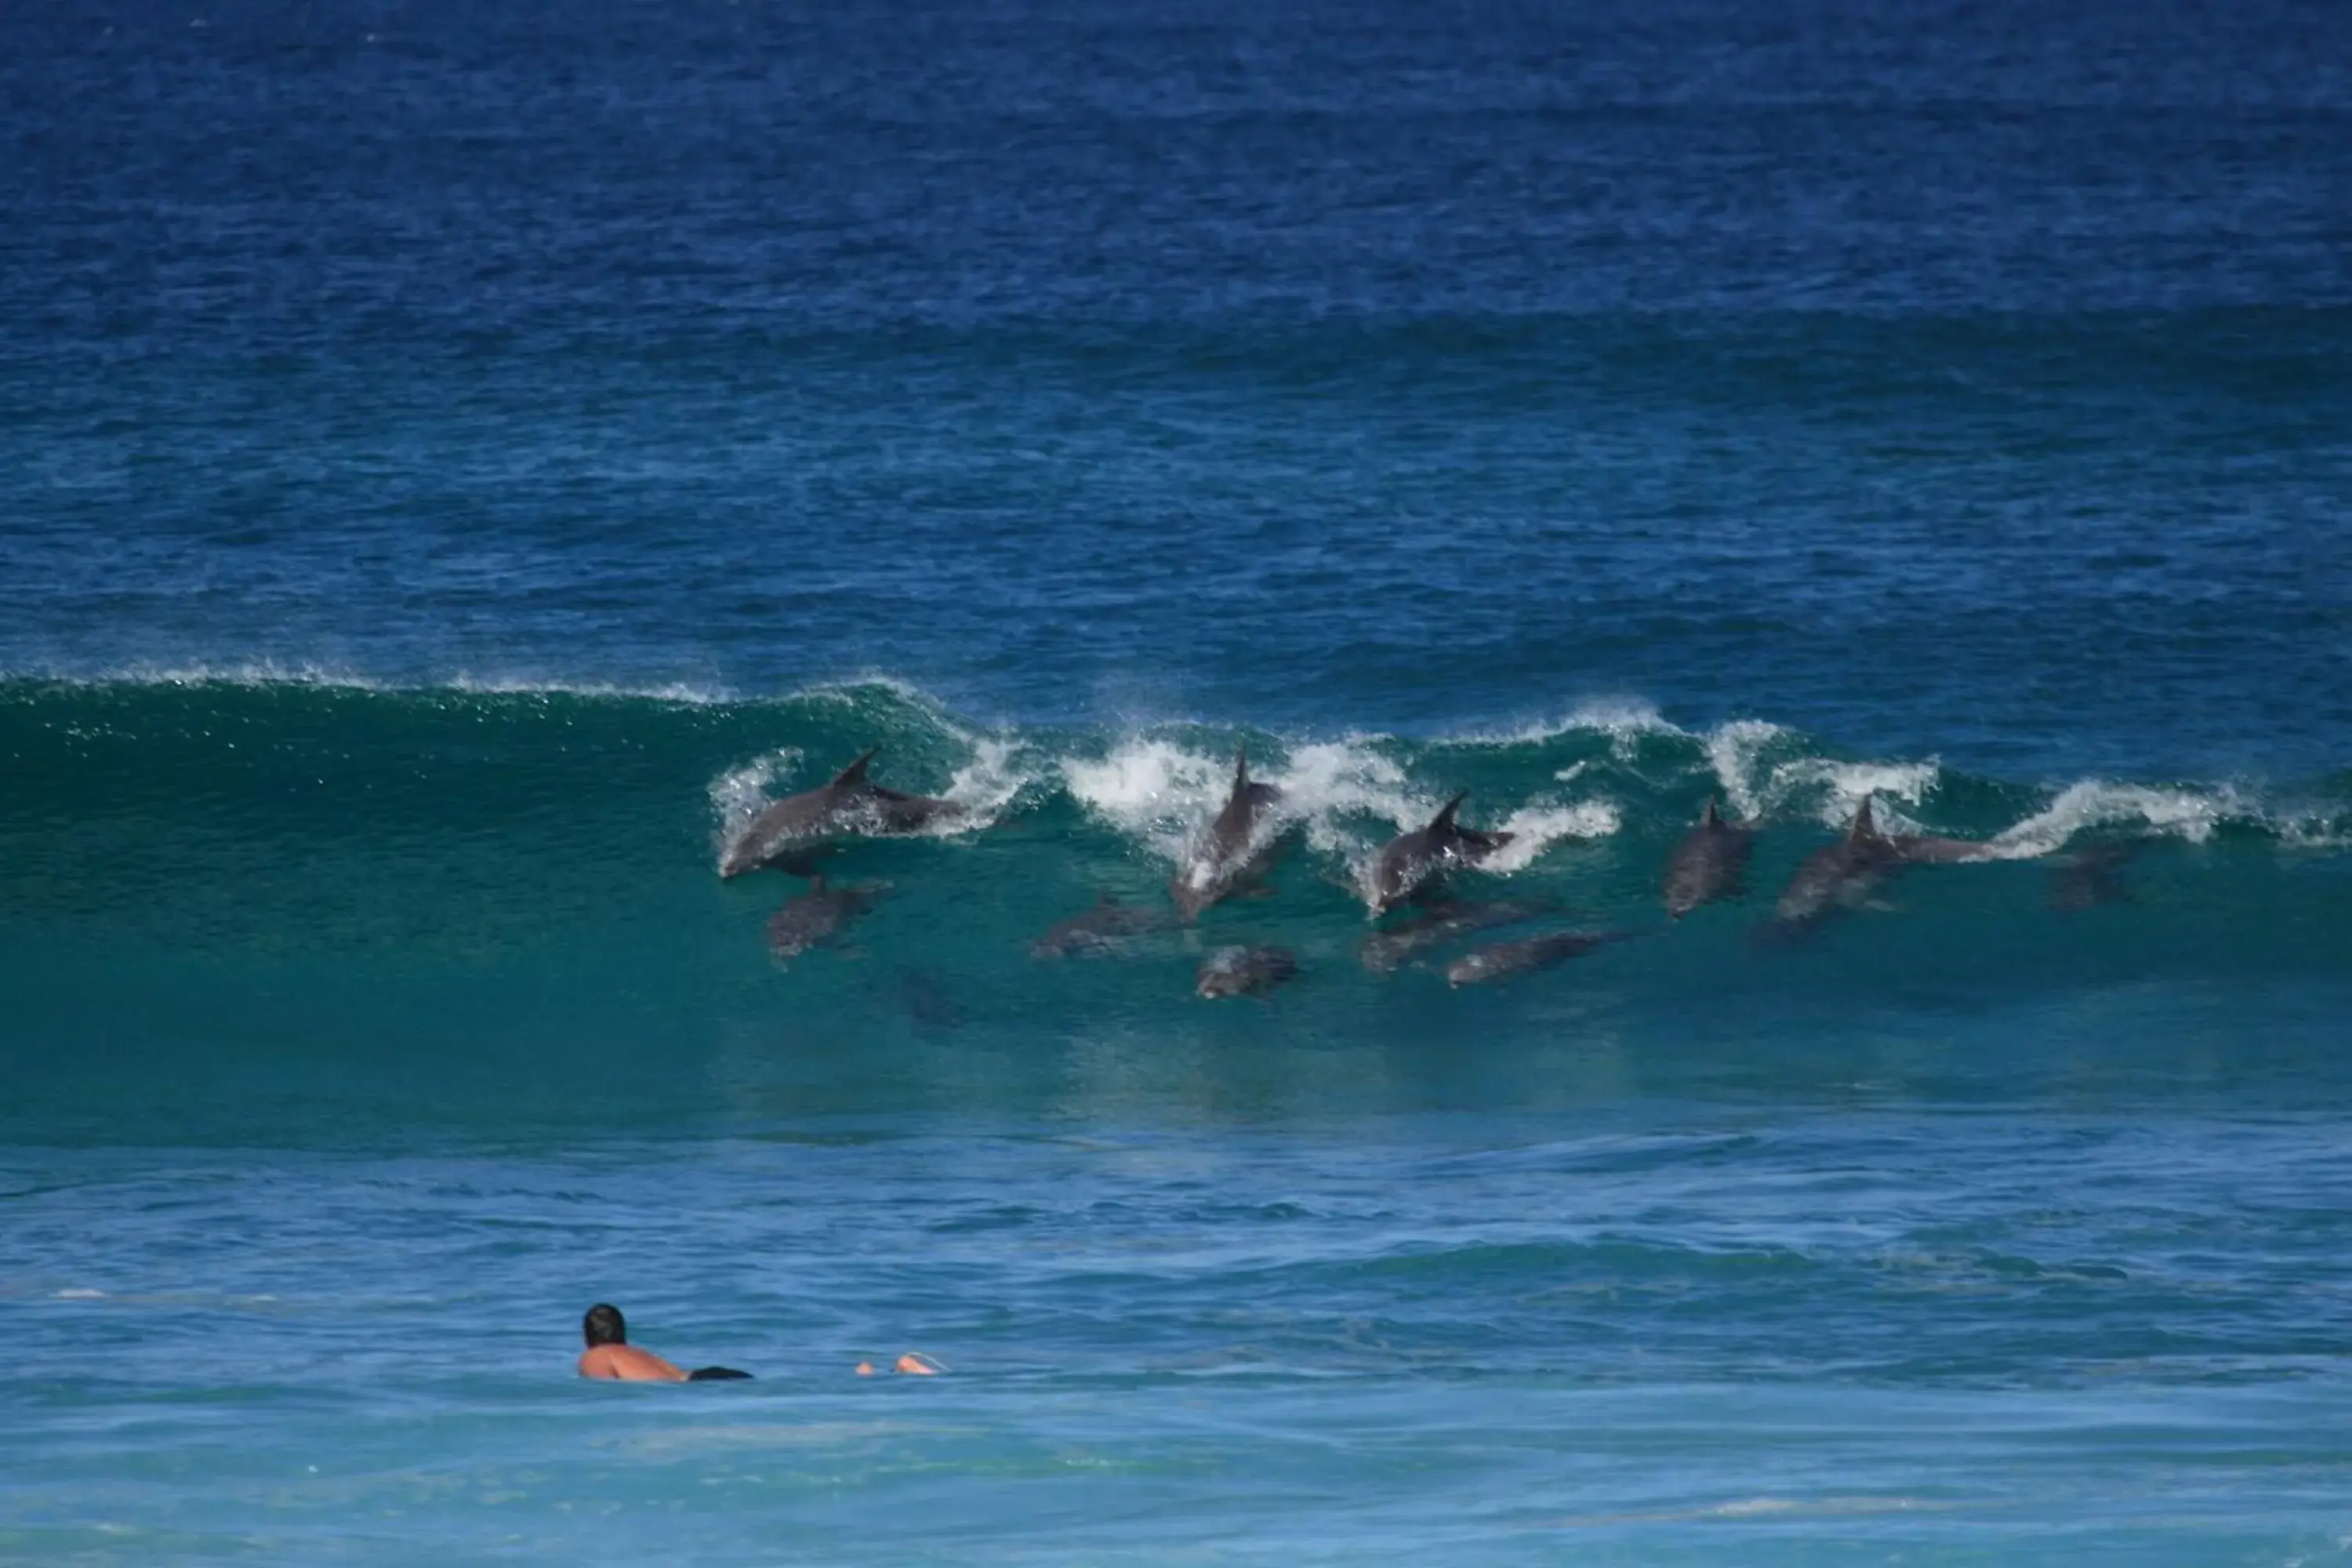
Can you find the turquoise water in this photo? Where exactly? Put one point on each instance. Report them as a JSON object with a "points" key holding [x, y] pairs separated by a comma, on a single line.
{"points": [[455, 469]]}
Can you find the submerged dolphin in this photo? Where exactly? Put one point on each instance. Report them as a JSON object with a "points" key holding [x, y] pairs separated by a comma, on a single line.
{"points": [[1386, 952], [1243, 971], [1094, 929], [1710, 863], [2092, 876], [816, 917], [1839, 876], [849, 802], [1509, 958], [1227, 855], [1412, 860]]}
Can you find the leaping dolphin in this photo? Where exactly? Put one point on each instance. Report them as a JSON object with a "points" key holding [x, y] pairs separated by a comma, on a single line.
{"points": [[849, 802], [1710, 863], [1227, 856], [1412, 860]]}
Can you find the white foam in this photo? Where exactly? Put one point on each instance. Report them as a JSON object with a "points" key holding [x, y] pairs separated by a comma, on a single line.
{"points": [[255, 672], [1325, 783], [1537, 828], [985, 785], [740, 794], [263, 673], [1624, 719], [2191, 815], [1151, 789], [1734, 751], [849, 687], [1843, 786], [1755, 786], [1349, 797], [681, 693]]}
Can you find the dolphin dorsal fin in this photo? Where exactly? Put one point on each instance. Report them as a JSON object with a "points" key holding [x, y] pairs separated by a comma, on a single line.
{"points": [[1710, 818], [1241, 769], [1106, 900], [1443, 821], [1866, 825], [854, 773], [816, 882]]}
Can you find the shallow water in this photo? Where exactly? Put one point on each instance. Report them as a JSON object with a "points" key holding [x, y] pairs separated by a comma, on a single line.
{"points": [[454, 469]]}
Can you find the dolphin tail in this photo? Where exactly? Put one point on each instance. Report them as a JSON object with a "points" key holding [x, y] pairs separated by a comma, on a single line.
{"points": [[1866, 825], [854, 773]]}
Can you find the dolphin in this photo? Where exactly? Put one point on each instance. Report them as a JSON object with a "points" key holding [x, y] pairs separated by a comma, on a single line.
{"points": [[1919, 849], [816, 917], [1841, 875], [1227, 856], [1243, 971], [2092, 876], [1412, 860], [1094, 929], [849, 802], [1710, 863], [928, 1002], [1386, 952], [1509, 958]]}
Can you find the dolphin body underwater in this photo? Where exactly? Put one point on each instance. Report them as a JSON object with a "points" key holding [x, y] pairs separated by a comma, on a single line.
{"points": [[1509, 958], [1710, 863], [782, 834], [1411, 861], [816, 917], [1243, 971], [1434, 925], [2091, 877], [1096, 930], [1839, 876], [1843, 874], [1227, 856]]}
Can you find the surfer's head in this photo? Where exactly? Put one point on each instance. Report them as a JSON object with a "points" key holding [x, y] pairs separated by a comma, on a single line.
{"points": [[604, 1326]]}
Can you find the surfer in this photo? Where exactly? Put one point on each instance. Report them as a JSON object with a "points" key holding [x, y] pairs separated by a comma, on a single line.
{"points": [[610, 1354]]}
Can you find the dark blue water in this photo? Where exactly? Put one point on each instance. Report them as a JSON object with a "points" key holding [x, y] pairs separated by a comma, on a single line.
{"points": [[454, 467]]}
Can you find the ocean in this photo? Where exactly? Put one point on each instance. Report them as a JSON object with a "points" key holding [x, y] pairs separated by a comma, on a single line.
{"points": [[459, 464]]}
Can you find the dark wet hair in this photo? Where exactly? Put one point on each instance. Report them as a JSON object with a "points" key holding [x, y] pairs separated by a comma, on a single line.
{"points": [[604, 1326]]}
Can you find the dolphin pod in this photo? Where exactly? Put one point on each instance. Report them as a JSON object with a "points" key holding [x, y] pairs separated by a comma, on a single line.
{"points": [[1231, 853]]}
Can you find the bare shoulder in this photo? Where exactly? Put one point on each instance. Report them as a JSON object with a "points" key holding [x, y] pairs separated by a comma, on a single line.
{"points": [[628, 1363]]}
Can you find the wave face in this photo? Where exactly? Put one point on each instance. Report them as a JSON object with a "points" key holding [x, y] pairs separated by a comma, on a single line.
{"points": [[457, 886]]}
